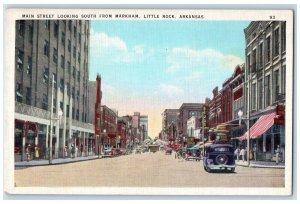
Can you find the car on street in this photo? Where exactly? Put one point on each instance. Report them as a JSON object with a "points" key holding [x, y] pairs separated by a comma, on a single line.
{"points": [[108, 153], [138, 150], [193, 154], [168, 150], [219, 157]]}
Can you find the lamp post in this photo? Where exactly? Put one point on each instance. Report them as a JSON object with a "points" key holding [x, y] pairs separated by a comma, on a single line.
{"points": [[240, 114], [51, 134]]}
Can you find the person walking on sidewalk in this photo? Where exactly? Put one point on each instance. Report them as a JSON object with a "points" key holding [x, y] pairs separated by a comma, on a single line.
{"points": [[237, 154], [254, 152], [28, 153], [277, 151], [243, 153], [36, 152], [72, 151]]}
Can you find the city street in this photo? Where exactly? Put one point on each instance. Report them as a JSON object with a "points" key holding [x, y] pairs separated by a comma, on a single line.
{"points": [[145, 170]]}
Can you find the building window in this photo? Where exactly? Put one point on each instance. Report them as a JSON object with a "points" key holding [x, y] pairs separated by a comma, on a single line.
{"points": [[62, 84], [46, 75], [61, 105], [277, 85], [283, 79], [248, 62], [69, 67], [74, 52], [74, 72], [73, 92], [267, 90], [77, 96], [78, 76], [28, 96], [30, 33], [29, 66], [276, 42], [77, 114], [260, 94], [69, 45], [283, 36], [75, 31], [73, 113], [253, 69], [54, 105], [79, 58], [63, 38], [268, 54], [68, 89], [55, 55], [68, 111], [21, 27], [20, 59], [46, 48], [47, 24], [261, 54], [253, 96], [45, 102], [62, 62], [70, 25], [19, 92], [55, 80], [55, 29], [79, 38]]}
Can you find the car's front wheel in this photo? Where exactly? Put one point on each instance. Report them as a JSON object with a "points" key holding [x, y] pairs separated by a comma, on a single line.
{"points": [[232, 170]]}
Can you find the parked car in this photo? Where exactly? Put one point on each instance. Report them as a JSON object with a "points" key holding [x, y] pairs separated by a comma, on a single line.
{"points": [[193, 154], [138, 150], [108, 153], [219, 156], [169, 150]]}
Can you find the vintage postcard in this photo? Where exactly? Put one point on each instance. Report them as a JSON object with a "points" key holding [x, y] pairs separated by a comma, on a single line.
{"points": [[148, 102]]}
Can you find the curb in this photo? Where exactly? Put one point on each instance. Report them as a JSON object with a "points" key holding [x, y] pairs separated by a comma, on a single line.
{"points": [[261, 166], [47, 164]]}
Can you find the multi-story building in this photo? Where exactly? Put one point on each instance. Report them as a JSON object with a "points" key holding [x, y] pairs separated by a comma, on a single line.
{"points": [[265, 79], [170, 124], [109, 119], [214, 106], [186, 111], [144, 125], [193, 124], [52, 61]]}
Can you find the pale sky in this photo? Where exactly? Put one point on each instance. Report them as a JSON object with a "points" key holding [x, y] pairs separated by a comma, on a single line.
{"points": [[149, 66]]}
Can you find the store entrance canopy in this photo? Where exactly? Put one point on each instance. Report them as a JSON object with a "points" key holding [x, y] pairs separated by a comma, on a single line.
{"points": [[260, 127]]}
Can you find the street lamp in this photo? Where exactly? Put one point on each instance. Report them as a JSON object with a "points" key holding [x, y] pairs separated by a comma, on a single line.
{"points": [[240, 114], [51, 134]]}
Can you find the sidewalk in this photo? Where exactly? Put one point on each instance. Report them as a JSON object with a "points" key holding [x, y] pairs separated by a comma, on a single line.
{"points": [[43, 162], [261, 164]]}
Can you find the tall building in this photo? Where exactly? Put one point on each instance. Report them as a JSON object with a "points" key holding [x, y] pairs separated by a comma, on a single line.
{"points": [[169, 118], [51, 61], [144, 126], [186, 111], [265, 79]]}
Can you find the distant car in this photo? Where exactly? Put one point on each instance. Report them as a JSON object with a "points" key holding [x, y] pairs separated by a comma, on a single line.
{"points": [[219, 156], [108, 152], [168, 150], [193, 154], [138, 150]]}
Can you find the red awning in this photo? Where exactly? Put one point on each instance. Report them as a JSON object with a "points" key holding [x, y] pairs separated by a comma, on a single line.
{"points": [[260, 127]]}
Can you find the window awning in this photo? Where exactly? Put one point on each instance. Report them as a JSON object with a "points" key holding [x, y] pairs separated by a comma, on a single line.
{"points": [[260, 127]]}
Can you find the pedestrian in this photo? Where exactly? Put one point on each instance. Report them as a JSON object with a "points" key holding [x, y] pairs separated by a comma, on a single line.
{"points": [[277, 151], [237, 153], [28, 153], [243, 153], [76, 151], [36, 152], [66, 151], [81, 149], [254, 149], [72, 151]]}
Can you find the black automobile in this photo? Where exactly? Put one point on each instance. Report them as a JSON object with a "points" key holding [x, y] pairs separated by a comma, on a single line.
{"points": [[219, 156]]}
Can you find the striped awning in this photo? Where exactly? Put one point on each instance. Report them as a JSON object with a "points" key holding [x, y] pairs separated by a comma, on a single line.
{"points": [[260, 127]]}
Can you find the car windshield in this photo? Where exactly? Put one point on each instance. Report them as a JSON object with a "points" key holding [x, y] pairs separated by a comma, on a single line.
{"points": [[222, 149]]}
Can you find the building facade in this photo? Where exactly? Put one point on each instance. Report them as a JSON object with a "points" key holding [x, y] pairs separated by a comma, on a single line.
{"points": [[170, 124], [144, 126], [265, 79], [186, 111], [52, 61]]}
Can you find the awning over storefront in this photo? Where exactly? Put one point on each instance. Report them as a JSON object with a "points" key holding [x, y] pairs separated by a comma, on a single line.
{"points": [[260, 127]]}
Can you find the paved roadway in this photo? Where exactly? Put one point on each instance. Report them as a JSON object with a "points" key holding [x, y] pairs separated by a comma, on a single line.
{"points": [[145, 170]]}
